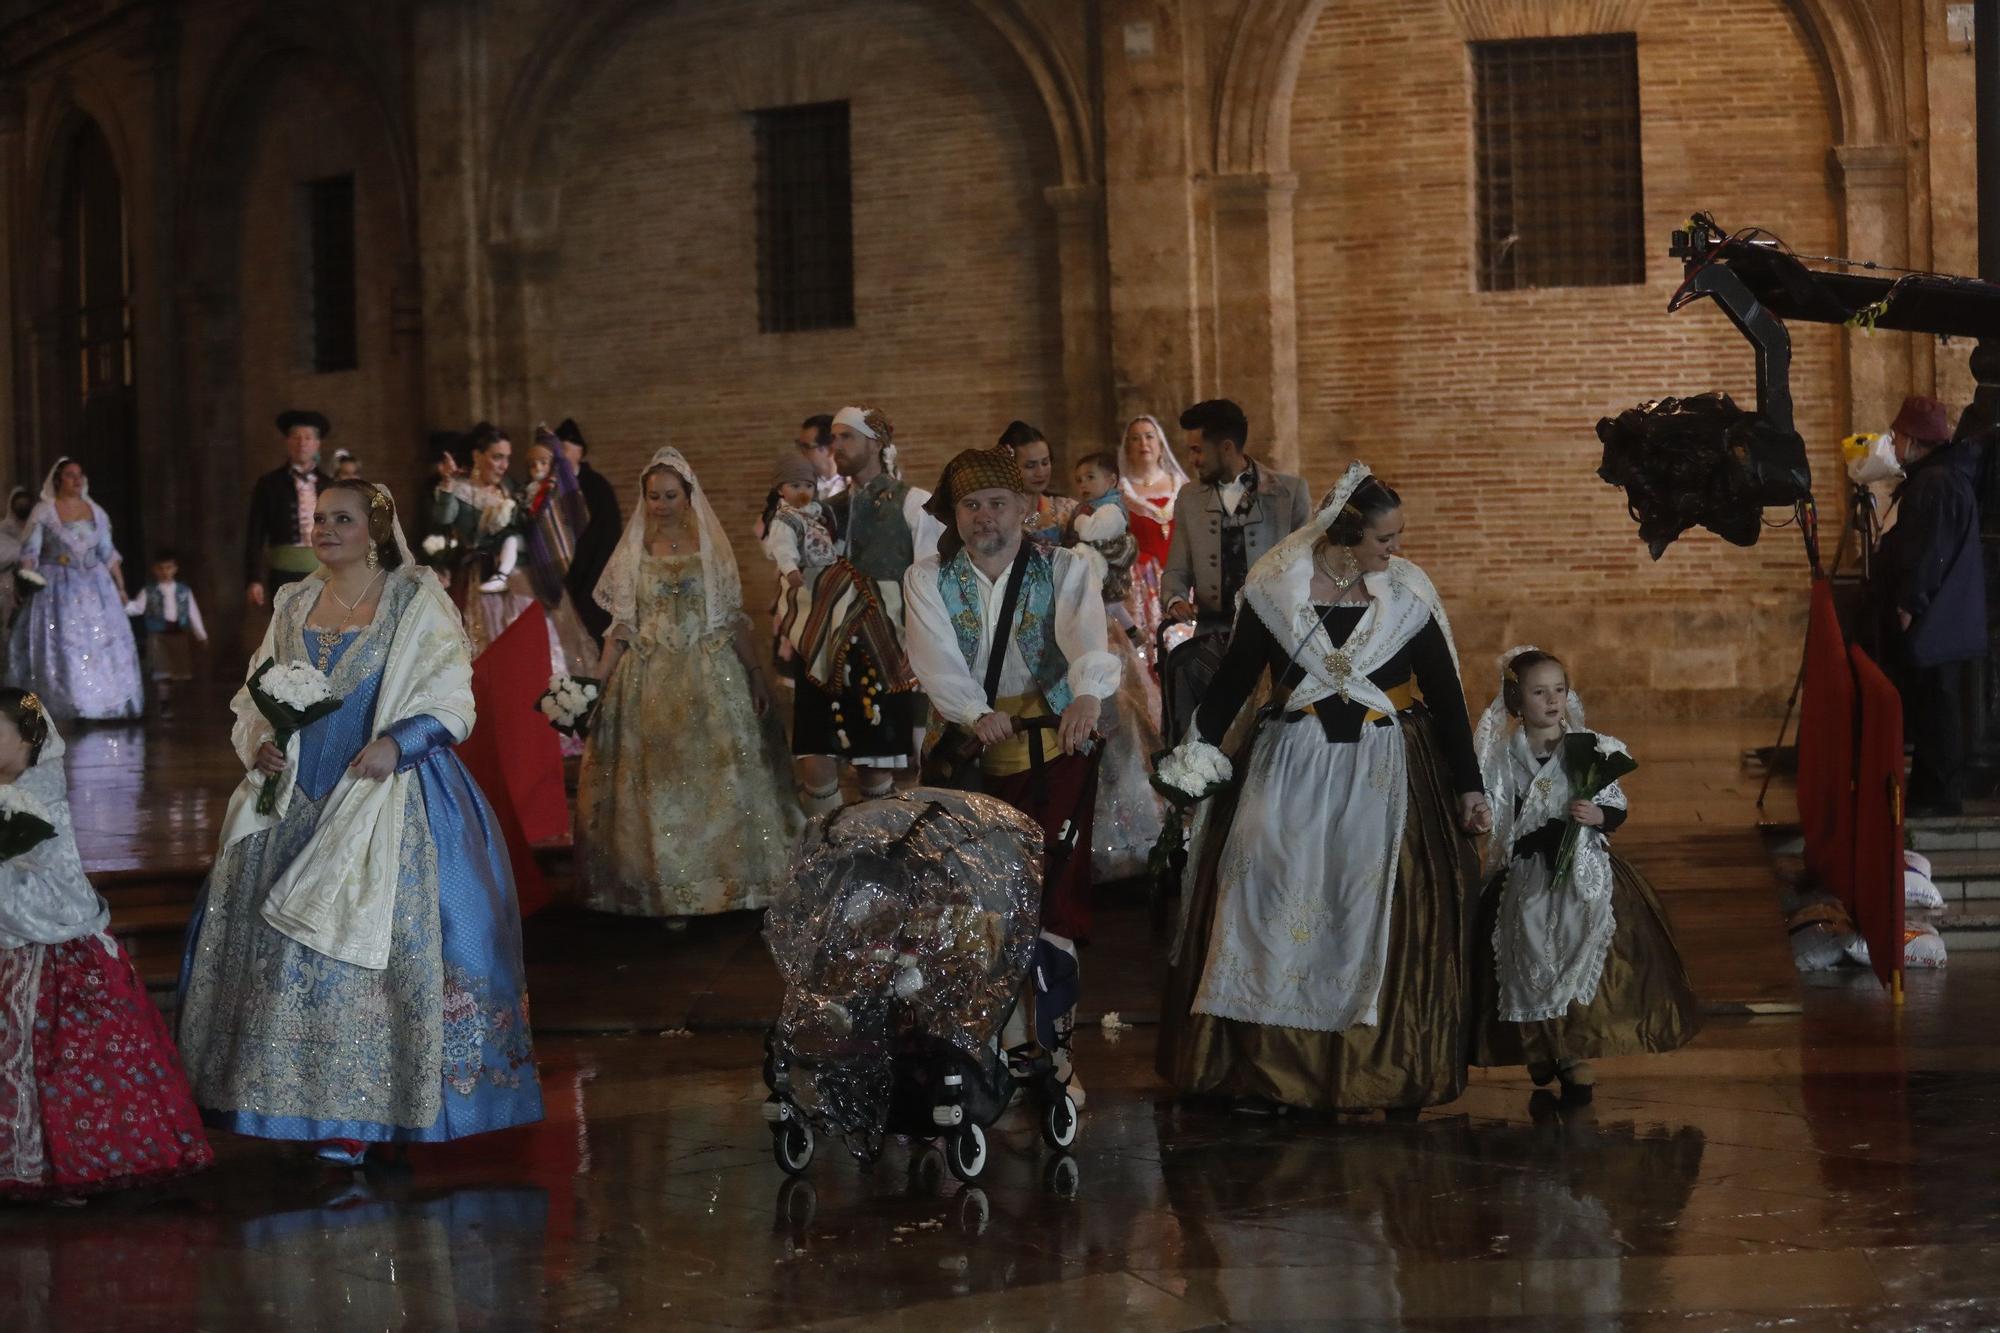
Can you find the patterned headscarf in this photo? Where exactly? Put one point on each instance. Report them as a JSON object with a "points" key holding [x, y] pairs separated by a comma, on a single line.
{"points": [[973, 470]]}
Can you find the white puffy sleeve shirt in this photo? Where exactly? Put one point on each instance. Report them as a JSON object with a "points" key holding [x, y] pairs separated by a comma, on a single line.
{"points": [[956, 690]]}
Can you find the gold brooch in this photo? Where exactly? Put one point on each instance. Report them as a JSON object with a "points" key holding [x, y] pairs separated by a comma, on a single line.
{"points": [[1339, 664]]}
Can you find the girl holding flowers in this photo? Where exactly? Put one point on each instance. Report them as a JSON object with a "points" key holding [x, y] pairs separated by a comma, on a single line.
{"points": [[1581, 961], [686, 804], [353, 970], [91, 1091]]}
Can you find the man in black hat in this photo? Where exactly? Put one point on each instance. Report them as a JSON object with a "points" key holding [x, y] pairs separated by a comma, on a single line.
{"points": [[277, 546], [600, 535]]}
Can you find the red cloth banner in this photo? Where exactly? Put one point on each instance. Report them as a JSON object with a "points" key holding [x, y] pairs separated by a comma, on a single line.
{"points": [[1877, 901], [525, 788], [1827, 734]]}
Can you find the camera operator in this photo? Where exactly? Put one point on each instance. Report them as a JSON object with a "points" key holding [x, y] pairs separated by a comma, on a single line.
{"points": [[1930, 590]]}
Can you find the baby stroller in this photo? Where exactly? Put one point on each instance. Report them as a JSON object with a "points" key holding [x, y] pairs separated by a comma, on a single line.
{"points": [[906, 936], [1189, 655]]}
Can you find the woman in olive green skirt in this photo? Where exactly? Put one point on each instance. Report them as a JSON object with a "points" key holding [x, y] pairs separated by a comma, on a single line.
{"points": [[1573, 962], [1320, 961]]}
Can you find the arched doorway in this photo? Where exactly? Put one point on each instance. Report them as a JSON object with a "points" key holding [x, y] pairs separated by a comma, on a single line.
{"points": [[85, 404]]}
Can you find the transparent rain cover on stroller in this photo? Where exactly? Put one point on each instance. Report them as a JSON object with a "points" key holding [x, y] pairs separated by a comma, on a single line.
{"points": [[907, 917]]}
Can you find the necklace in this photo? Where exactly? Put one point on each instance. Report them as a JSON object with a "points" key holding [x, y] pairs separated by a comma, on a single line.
{"points": [[328, 639], [1342, 580], [673, 538]]}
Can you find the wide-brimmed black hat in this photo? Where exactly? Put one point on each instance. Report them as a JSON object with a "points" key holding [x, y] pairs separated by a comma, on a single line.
{"points": [[300, 417], [572, 432]]}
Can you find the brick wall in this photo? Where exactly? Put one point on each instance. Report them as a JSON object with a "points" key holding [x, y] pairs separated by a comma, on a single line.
{"points": [[1480, 406], [316, 125], [657, 339]]}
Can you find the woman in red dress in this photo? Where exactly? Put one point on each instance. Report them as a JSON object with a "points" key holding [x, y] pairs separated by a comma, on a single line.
{"points": [[92, 1096], [1150, 478]]}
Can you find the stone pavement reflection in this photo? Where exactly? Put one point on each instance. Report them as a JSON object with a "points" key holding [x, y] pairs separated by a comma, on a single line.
{"points": [[1834, 1164]]}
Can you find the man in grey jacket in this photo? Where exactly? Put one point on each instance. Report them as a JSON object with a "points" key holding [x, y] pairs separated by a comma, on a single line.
{"points": [[1235, 513]]}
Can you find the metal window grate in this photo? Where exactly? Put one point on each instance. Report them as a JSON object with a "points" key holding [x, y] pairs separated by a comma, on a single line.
{"points": [[805, 219], [1561, 201], [329, 205]]}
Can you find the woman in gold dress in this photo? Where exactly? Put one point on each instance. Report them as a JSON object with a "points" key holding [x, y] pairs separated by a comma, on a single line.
{"points": [[686, 805], [1320, 960]]}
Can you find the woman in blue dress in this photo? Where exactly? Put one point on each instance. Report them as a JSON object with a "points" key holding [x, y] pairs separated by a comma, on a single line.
{"points": [[72, 644], [353, 973]]}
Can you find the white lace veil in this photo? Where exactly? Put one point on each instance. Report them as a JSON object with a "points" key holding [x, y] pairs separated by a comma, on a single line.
{"points": [[1167, 460], [1491, 739], [48, 496], [618, 588], [428, 583]]}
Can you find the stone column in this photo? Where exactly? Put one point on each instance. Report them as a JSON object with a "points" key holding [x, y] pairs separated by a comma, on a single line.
{"points": [[1874, 180], [1257, 347], [15, 332], [1085, 309], [1150, 104], [449, 76]]}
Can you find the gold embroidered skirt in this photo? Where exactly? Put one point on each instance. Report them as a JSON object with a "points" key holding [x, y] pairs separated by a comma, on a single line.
{"points": [[1414, 1055], [1643, 1003]]}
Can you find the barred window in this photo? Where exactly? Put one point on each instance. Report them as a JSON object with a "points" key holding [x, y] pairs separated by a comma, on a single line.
{"points": [[805, 219], [1557, 137], [330, 286]]}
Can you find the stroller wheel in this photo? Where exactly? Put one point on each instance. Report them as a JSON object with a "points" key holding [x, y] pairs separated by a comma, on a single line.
{"points": [[965, 1152], [792, 1145], [1059, 1122]]}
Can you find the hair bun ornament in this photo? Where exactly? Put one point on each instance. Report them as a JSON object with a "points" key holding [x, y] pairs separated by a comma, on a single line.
{"points": [[32, 702], [1506, 660]]}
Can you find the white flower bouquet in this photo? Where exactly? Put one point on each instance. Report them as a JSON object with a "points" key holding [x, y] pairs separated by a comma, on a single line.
{"points": [[24, 822], [436, 544], [570, 702], [1185, 775], [27, 583], [291, 697]]}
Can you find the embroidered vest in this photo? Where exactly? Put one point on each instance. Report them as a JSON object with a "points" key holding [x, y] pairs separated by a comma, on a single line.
{"points": [[156, 609], [879, 543], [1034, 621]]}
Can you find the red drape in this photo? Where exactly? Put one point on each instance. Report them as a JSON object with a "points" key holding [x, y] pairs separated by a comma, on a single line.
{"points": [[1826, 749], [1877, 901], [526, 789]]}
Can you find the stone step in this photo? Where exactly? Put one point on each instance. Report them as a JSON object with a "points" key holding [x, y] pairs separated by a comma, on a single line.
{"points": [[1964, 931]]}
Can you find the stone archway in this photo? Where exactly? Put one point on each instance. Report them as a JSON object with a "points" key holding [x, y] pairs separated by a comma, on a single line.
{"points": [[521, 209], [225, 440], [81, 354]]}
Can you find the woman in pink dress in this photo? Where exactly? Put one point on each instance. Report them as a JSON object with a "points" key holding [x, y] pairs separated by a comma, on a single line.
{"points": [[1150, 478]]}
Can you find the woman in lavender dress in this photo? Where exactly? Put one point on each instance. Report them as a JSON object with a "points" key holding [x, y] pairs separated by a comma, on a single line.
{"points": [[72, 644]]}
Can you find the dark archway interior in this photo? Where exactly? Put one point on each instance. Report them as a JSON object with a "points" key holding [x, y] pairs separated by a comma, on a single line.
{"points": [[87, 409]]}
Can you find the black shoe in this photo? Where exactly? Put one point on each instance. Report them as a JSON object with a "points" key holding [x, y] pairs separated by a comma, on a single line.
{"points": [[1259, 1106]]}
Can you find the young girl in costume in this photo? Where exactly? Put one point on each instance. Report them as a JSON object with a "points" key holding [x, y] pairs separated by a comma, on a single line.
{"points": [[92, 1096], [1128, 818], [1576, 970]]}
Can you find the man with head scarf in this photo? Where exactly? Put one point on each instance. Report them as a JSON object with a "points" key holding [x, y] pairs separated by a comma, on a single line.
{"points": [[857, 699], [277, 543], [1931, 586], [1007, 636]]}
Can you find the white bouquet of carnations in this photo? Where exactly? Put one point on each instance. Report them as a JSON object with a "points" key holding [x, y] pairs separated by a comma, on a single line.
{"points": [[1186, 774], [291, 697], [27, 583], [503, 516], [569, 703], [24, 822], [436, 545]]}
